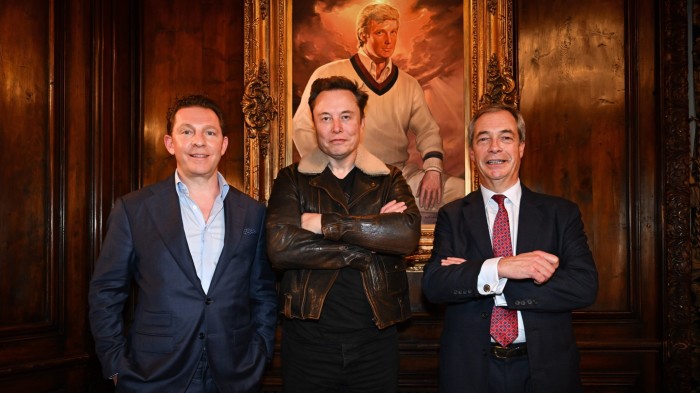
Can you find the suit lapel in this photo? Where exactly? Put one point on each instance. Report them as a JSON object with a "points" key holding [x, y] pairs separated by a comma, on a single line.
{"points": [[530, 222], [234, 213], [474, 217], [164, 208]]}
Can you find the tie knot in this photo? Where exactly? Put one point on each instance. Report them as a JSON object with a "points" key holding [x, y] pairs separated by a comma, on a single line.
{"points": [[499, 198]]}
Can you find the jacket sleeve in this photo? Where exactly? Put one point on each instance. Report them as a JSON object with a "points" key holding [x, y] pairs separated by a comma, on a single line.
{"points": [[574, 283], [109, 289], [263, 296], [289, 246], [452, 283], [388, 233], [426, 129]]}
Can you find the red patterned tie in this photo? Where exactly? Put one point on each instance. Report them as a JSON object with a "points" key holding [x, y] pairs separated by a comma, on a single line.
{"points": [[504, 322]]}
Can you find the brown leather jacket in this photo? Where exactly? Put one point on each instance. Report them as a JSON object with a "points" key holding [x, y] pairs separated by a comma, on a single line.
{"points": [[354, 235]]}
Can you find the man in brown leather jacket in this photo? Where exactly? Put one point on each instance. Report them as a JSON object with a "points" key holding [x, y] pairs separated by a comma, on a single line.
{"points": [[339, 224]]}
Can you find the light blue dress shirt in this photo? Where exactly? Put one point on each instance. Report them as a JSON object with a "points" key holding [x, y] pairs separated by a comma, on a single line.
{"points": [[204, 239]]}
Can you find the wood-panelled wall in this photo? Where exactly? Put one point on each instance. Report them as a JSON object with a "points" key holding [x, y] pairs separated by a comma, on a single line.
{"points": [[84, 86], [586, 80]]}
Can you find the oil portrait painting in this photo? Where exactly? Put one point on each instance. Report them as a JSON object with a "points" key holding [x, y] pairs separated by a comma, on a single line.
{"points": [[429, 47]]}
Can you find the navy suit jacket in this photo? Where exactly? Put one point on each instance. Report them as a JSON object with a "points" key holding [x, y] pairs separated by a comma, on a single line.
{"points": [[546, 223], [174, 319]]}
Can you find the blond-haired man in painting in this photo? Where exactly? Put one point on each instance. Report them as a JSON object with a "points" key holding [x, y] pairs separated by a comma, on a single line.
{"points": [[396, 106]]}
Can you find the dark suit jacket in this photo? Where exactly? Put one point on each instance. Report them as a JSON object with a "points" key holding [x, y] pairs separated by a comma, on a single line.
{"points": [[546, 223], [174, 319]]}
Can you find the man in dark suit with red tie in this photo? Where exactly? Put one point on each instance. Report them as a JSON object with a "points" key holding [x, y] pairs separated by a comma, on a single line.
{"points": [[508, 321]]}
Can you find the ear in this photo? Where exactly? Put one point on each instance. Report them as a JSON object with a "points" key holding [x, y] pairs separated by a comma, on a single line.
{"points": [[224, 145], [168, 142], [361, 36], [521, 148]]}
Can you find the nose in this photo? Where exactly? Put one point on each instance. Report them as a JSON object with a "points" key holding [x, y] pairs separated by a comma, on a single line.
{"points": [[495, 145], [337, 126], [198, 139]]}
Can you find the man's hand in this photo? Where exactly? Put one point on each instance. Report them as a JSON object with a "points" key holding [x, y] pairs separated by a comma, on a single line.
{"points": [[311, 222], [430, 190], [536, 265], [452, 261], [393, 207]]}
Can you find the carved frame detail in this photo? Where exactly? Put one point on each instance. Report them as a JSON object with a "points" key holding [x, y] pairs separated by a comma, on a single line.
{"points": [[489, 24], [264, 78], [677, 262]]}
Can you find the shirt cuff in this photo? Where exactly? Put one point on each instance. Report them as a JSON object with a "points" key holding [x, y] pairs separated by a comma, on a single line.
{"points": [[488, 282]]}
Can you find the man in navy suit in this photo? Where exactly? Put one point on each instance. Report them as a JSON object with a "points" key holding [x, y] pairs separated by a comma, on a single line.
{"points": [[195, 248], [550, 273]]}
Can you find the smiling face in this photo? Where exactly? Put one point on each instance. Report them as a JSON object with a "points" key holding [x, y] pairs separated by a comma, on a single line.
{"points": [[339, 124], [496, 150], [380, 39], [197, 142]]}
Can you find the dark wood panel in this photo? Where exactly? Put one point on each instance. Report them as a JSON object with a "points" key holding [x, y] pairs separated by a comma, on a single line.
{"points": [[572, 80], [25, 168], [191, 48], [585, 75], [45, 47], [614, 370]]}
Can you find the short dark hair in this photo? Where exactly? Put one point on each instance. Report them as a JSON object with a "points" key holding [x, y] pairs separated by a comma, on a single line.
{"points": [[491, 108], [338, 83], [192, 100]]}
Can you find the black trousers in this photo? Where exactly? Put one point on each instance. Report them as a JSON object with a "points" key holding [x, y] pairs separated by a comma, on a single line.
{"points": [[370, 366], [509, 375]]}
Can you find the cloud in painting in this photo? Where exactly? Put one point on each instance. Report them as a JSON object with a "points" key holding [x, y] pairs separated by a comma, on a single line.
{"points": [[314, 42], [436, 48]]}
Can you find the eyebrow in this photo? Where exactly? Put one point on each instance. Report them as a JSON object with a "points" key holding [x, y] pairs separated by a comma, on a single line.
{"points": [[190, 125], [345, 112], [503, 131]]}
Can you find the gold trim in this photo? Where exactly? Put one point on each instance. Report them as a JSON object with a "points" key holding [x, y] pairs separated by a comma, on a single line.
{"points": [[261, 101]]}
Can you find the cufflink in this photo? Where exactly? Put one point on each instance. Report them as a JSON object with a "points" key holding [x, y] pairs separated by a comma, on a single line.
{"points": [[487, 288]]}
